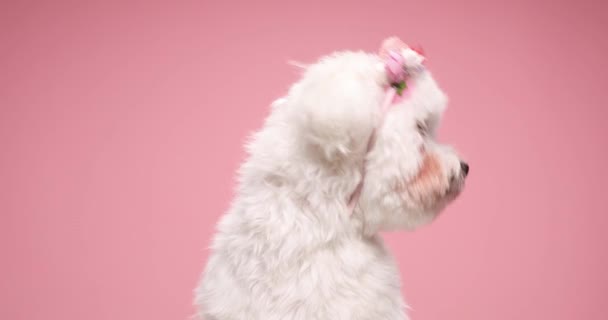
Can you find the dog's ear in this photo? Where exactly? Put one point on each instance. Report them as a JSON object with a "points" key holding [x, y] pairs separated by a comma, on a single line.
{"points": [[335, 107], [335, 125]]}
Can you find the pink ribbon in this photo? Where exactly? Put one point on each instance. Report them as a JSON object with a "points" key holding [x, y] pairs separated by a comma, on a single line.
{"points": [[388, 100], [395, 67]]}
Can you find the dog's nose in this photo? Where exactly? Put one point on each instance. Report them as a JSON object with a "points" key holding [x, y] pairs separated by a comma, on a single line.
{"points": [[464, 167]]}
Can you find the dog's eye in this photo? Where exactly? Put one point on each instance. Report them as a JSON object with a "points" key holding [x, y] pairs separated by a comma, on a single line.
{"points": [[421, 127]]}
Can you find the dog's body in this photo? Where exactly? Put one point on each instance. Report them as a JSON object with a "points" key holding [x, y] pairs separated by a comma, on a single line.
{"points": [[289, 248]]}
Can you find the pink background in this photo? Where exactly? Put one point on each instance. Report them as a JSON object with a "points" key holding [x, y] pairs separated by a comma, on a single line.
{"points": [[121, 126]]}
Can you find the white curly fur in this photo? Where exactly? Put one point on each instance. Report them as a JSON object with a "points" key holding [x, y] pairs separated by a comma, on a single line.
{"points": [[287, 248]]}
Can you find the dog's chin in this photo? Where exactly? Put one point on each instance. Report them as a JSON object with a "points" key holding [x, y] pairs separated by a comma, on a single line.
{"points": [[453, 191], [445, 198], [423, 214], [457, 186]]}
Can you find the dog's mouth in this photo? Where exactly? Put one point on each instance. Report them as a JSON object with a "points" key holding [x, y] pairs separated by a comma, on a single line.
{"points": [[455, 187], [452, 192]]}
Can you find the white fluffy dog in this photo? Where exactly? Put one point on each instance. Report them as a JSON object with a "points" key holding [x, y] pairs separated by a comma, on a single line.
{"points": [[291, 247]]}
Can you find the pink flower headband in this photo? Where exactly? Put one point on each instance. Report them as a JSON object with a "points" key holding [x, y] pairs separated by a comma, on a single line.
{"points": [[401, 63]]}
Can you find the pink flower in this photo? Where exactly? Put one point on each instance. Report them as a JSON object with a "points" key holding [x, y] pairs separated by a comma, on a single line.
{"points": [[391, 44], [394, 62], [395, 67]]}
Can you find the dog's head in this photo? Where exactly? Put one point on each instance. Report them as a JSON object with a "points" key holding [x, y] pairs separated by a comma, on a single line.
{"points": [[408, 176]]}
